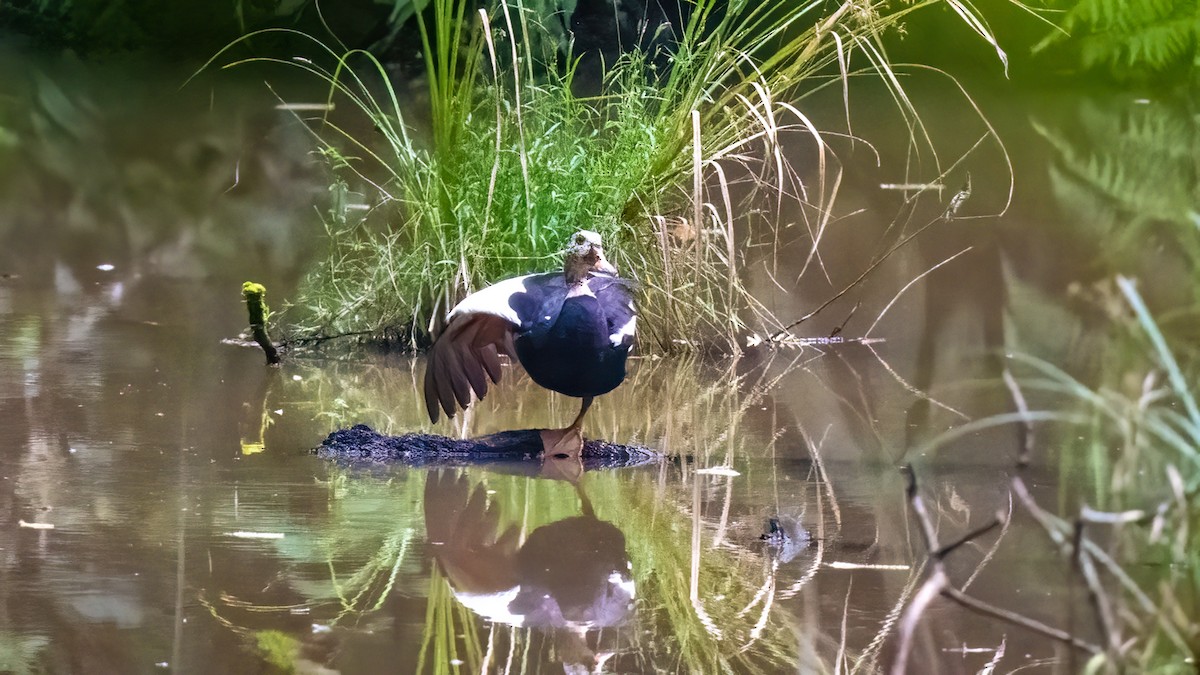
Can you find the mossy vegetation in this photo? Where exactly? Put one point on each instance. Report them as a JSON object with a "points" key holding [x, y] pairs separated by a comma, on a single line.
{"points": [[255, 296], [278, 649]]}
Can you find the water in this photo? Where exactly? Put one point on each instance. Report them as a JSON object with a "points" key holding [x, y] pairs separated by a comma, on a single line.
{"points": [[160, 508]]}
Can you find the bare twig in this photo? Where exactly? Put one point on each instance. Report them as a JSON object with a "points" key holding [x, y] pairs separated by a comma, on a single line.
{"points": [[842, 326], [973, 534], [1096, 594], [870, 268], [938, 583], [935, 585], [1018, 620], [1026, 423], [1083, 552], [995, 547]]}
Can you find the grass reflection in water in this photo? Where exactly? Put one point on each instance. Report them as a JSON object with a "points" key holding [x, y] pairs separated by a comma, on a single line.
{"points": [[703, 593]]}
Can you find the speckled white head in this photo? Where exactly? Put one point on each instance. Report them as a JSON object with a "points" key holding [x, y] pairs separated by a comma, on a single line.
{"points": [[585, 255]]}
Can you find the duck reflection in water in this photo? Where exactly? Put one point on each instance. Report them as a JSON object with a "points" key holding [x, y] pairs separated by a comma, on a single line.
{"points": [[571, 577]]}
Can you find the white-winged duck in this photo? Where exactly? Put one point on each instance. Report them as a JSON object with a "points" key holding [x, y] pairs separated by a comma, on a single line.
{"points": [[570, 330]]}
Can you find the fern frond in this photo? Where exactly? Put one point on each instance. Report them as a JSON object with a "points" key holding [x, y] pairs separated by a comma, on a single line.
{"points": [[1128, 172], [1132, 35]]}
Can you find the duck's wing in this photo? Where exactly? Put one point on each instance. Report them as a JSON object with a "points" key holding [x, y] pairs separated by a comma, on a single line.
{"points": [[477, 554], [616, 297], [463, 359], [481, 328]]}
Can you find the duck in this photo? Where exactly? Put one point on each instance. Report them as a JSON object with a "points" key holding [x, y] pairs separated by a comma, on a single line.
{"points": [[571, 331]]}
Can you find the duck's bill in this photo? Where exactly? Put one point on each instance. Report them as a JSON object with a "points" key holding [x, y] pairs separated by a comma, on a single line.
{"points": [[602, 266]]}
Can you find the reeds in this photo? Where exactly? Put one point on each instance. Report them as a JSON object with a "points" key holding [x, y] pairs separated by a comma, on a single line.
{"points": [[674, 164]]}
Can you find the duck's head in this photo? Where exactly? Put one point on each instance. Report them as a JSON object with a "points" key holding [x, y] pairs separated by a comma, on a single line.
{"points": [[585, 255]]}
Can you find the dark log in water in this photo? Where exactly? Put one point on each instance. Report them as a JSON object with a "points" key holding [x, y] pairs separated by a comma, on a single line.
{"points": [[362, 443]]}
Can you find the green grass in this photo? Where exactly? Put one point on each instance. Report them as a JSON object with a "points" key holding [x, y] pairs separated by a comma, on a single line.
{"points": [[672, 168]]}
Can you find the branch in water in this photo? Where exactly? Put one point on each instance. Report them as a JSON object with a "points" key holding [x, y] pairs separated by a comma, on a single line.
{"points": [[256, 305]]}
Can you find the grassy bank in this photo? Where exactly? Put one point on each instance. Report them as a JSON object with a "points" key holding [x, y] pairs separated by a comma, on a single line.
{"points": [[675, 162]]}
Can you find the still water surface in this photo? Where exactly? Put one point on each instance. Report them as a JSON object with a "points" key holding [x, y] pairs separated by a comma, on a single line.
{"points": [[160, 509]]}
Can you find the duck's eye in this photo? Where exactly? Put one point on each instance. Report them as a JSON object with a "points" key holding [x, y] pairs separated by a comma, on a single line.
{"points": [[580, 239]]}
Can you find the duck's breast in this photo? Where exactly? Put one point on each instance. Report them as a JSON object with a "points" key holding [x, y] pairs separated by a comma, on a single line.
{"points": [[580, 350]]}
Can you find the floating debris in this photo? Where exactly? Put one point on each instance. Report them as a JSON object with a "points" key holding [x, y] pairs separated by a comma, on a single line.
{"points": [[719, 471], [958, 200], [785, 538], [242, 534], [36, 526], [838, 565], [912, 187]]}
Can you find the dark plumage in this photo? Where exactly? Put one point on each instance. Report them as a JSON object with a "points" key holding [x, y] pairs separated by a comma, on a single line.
{"points": [[571, 330]]}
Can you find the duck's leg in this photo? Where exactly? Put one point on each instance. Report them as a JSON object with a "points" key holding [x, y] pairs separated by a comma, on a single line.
{"points": [[577, 425], [563, 448]]}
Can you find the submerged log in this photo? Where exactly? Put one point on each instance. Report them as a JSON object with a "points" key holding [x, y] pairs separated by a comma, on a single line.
{"points": [[362, 443]]}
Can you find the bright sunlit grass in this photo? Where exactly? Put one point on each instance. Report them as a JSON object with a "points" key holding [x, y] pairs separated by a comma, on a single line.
{"points": [[672, 163]]}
